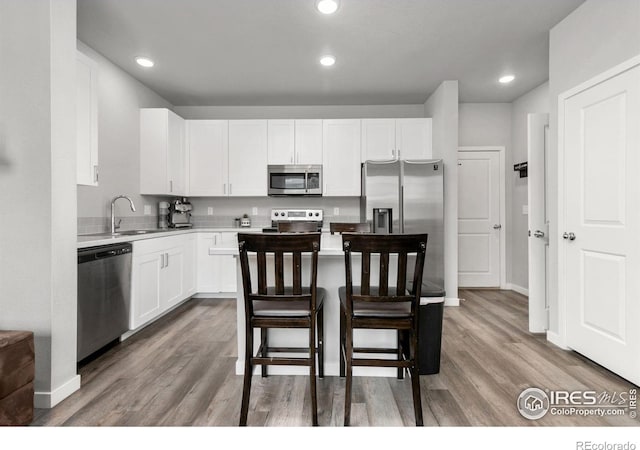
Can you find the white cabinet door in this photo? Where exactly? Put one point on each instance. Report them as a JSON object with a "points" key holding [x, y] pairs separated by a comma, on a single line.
{"points": [[145, 287], [281, 141], [308, 137], [87, 120], [378, 139], [247, 158], [341, 157], [176, 168], [162, 152], [171, 278], [208, 144], [189, 274], [216, 273], [413, 138]]}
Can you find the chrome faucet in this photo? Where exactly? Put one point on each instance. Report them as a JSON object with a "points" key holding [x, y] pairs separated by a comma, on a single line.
{"points": [[113, 211]]}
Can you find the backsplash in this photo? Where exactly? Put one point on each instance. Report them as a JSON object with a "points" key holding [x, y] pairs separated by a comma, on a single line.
{"points": [[89, 225]]}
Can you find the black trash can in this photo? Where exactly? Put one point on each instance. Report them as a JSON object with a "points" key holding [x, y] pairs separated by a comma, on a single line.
{"points": [[430, 334]]}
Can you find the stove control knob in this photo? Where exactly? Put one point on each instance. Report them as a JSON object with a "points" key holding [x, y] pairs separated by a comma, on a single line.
{"points": [[317, 214], [310, 214]]}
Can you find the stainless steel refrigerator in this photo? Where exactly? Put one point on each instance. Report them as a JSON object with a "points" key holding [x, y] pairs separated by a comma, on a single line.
{"points": [[408, 197]]}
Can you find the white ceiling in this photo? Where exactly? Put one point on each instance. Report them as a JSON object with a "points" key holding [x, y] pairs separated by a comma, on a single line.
{"points": [[265, 52]]}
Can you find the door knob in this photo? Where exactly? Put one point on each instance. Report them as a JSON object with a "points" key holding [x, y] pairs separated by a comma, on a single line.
{"points": [[538, 233], [497, 226], [570, 236]]}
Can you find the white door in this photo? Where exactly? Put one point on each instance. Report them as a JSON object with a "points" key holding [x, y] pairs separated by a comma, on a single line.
{"points": [[308, 139], [479, 225], [189, 276], [281, 140], [413, 138], [247, 158], [171, 277], [378, 139], [145, 288], [601, 248], [87, 120], [537, 133], [341, 157], [207, 142]]}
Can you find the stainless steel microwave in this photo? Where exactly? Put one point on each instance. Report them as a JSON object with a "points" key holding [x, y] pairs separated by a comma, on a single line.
{"points": [[295, 179]]}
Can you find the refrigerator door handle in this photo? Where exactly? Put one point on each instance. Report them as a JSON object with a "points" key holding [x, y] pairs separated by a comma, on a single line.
{"points": [[401, 212]]}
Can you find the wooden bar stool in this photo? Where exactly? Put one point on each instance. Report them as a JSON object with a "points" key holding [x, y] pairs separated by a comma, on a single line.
{"points": [[281, 306], [349, 227], [369, 307]]}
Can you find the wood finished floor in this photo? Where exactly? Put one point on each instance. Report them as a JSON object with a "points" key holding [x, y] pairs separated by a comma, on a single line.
{"points": [[180, 371]]}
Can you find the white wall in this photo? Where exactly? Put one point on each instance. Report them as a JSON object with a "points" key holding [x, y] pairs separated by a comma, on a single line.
{"points": [[37, 186], [534, 101], [120, 97], [595, 37], [489, 124], [442, 107]]}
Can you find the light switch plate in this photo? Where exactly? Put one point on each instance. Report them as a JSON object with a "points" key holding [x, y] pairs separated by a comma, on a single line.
{"points": [[147, 210], [336, 211], [210, 211], [525, 209], [254, 211]]}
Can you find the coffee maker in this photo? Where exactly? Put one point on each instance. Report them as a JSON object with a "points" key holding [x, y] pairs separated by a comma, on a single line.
{"points": [[180, 213]]}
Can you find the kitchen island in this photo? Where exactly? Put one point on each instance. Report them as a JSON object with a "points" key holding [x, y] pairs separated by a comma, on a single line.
{"points": [[331, 275]]}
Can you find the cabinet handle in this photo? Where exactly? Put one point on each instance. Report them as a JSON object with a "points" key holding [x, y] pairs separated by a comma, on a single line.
{"points": [[230, 188], [162, 261], [291, 159], [398, 154], [393, 153], [170, 185], [167, 259], [95, 174], [224, 188]]}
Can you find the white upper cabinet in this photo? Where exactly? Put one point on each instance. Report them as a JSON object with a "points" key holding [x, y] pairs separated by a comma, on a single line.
{"points": [[281, 141], [413, 138], [341, 157], [378, 139], [308, 137], [295, 141], [247, 158], [87, 120], [162, 152], [208, 146], [384, 139]]}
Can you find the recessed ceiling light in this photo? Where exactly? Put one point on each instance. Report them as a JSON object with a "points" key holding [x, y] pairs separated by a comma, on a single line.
{"points": [[327, 6], [144, 62], [328, 60], [506, 79]]}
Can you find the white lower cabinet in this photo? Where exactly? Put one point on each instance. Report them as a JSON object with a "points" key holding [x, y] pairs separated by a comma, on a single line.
{"points": [[163, 274], [216, 273]]}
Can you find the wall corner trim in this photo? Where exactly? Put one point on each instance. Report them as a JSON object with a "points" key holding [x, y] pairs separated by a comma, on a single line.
{"points": [[49, 399]]}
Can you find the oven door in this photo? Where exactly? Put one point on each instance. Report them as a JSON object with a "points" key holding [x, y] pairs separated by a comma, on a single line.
{"points": [[294, 180]]}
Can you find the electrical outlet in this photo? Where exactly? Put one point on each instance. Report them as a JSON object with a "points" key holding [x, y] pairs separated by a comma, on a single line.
{"points": [[336, 211], [210, 211], [254, 211], [147, 210]]}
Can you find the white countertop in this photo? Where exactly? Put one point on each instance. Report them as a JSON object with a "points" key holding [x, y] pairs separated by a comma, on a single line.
{"points": [[330, 243]]}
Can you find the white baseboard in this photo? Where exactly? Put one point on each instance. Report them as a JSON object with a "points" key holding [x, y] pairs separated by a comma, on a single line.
{"points": [[451, 301], [514, 287], [555, 339], [44, 399], [216, 295]]}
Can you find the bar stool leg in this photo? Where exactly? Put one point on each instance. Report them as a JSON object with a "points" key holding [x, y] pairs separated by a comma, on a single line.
{"points": [[264, 343], [321, 343], [349, 373], [415, 379], [248, 372], [342, 341]]}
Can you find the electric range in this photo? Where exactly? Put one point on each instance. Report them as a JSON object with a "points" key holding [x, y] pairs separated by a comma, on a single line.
{"points": [[294, 215]]}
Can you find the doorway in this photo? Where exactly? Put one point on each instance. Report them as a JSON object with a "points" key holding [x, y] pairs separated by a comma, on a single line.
{"points": [[481, 217]]}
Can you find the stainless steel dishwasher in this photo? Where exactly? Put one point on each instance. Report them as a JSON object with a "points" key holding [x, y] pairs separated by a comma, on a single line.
{"points": [[104, 291]]}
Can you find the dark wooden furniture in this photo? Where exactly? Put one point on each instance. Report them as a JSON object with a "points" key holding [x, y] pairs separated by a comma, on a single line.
{"points": [[382, 307], [297, 227], [17, 371], [349, 227], [281, 306]]}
